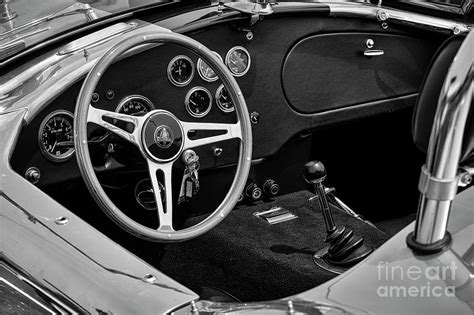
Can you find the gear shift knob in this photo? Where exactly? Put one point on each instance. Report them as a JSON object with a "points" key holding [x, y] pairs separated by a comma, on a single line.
{"points": [[314, 172]]}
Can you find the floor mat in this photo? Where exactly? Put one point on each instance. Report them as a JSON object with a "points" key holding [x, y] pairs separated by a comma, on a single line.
{"points": [[255, 261]]}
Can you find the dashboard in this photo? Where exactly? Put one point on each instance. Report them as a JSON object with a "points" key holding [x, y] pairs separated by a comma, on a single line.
{"points": [[55, 133], [291, 85]]}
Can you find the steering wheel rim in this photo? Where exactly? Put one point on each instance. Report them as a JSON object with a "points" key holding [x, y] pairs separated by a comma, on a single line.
{"points": [[86, 113]]}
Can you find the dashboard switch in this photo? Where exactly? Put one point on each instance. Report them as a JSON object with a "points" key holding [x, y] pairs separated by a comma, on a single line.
{"points": [[110, 94], [95, 97], [217, 151], [33, 175], [270, 187], [255, 117], [253, 192]]}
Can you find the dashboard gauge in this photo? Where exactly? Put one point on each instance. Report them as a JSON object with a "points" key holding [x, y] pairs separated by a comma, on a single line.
{"points": [[238, 60], [205, 71], [135, 105], [180, 70], [55, 136], [223, 100], [198, 102]]}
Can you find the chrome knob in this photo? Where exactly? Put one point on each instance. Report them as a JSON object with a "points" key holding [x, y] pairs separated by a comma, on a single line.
{"points": [[33, 175], [253, 192], [270, 187]]}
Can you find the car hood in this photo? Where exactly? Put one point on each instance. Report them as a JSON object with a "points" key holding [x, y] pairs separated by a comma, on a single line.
{"points": [[24, 23]]}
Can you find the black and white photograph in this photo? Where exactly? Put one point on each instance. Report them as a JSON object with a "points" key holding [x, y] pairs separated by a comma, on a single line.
{"points": [[236, 157]]}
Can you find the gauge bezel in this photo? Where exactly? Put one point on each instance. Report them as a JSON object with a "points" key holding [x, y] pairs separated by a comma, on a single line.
{"points": [[199, 64], [132, 97], [219, 105], [170, 76], [186, 102], [46, 154], [227, 57]]}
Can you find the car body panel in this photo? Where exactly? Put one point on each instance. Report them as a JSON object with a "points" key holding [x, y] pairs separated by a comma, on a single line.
{"points": [[370, 282], [69, 259]]}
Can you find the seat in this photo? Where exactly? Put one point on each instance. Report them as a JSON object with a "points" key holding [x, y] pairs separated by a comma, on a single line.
{"points": [[427, 102]]}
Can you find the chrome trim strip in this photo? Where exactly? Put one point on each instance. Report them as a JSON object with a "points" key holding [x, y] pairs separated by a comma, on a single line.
{"points": [[29, 297], [19, 38], [75, 8], [397, 16], [443, 7], [38, 288], [97, 38], [445, 146]]}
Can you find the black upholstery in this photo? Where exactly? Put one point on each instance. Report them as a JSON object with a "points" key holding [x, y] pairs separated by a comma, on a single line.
{"points": [[428, 98]]}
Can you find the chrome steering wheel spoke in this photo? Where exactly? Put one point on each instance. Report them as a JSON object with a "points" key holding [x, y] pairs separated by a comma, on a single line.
{"points": [[164, 205], [231, 131], [96, 116]]}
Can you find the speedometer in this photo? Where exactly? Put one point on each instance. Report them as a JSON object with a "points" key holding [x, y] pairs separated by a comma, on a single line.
{"points": [[135, 105], [55, 136]]}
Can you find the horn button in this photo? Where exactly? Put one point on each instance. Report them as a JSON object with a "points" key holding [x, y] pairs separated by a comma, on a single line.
{"points": [[162, 137]]}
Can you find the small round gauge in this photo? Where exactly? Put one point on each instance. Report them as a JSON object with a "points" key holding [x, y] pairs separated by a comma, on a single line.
{"points": [[180, 70], [223, 100], [135, 105], [238, 60], [198, 102], [55, 136], [205, 71]]}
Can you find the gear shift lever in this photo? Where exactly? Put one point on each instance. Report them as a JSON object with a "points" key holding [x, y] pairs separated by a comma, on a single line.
{"points": [[345, 249], [315, 173]]}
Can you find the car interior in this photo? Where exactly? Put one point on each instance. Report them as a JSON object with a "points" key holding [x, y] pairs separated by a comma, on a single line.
{"points": [[352, 93]]}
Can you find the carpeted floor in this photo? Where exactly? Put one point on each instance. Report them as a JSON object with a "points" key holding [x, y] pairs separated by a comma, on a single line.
{"points": [[256, 261]]}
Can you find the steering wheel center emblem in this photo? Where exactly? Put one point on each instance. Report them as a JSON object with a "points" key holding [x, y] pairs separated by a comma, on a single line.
{"points": [[164, 137]]}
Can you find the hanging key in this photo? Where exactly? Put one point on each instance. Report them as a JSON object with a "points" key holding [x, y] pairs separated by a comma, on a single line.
{"points": [[190, 181], [182, 191], [189, 188]]}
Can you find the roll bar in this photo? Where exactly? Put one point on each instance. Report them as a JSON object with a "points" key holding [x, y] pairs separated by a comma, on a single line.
{"points": [[439, 176]]}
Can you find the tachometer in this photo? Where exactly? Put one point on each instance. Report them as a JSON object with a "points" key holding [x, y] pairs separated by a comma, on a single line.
{"points": [[180, 70], [55, 136], [206, 72], [238, 61], [135, 105], [198, 102], [223, 100]]}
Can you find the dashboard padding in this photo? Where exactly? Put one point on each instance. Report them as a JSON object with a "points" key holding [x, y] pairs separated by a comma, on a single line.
{"points": [[329, 71]]}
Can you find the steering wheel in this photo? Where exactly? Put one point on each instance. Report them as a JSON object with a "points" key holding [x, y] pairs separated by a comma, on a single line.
{"points": [[161, 138]]}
